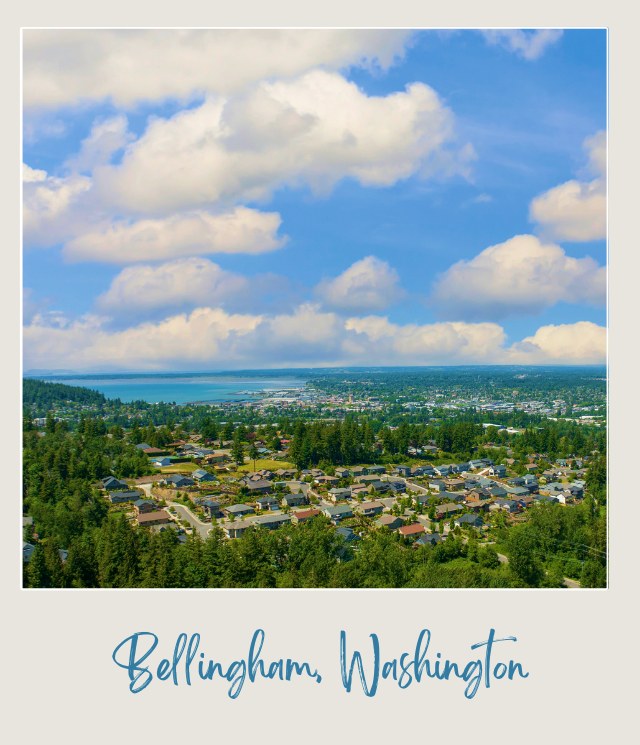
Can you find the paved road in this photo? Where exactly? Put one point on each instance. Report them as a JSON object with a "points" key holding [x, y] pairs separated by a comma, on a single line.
{"points": [[186, 514]]}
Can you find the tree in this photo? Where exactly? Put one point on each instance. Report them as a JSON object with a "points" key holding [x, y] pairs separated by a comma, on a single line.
{"points": [[237, 450]]}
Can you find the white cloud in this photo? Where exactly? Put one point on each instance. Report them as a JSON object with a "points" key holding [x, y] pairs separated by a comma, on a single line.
{"points": [[48, 205], [210, 338], [368, 284], [107, 136], [521, 275], [205, 336], [583, 343], [576, 210], [188, 234], [183, 282], [435, 343], [314, 130], [67, 67], [527, 44]]}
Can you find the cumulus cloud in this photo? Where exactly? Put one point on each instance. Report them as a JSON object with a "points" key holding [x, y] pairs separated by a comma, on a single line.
{"points": [[205, 336], [242, 230], [210, 338], [311, 131], [183, 282], [67, 67], [107, 136], [576, 210], [529, 45], [49, 205], [581, 343], [368, 284], [434, 343], [521, 275]]}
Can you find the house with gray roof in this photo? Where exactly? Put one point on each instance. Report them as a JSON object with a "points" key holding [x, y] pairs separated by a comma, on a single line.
{"points": [[178, 481], [272, 521], [469, 520], [238, 510], [267, 503], [130, 495], [337, 513], [200, 475]]}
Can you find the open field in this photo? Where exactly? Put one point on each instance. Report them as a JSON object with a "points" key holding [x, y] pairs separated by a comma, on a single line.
{"points": [[180, 468], [266, 463]]}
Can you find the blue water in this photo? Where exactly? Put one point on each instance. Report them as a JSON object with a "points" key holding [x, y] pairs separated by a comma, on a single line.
{"points": [[180, 389]]}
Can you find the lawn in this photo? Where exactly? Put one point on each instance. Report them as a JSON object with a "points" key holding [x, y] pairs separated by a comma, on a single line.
{"points": [[266, 463]]}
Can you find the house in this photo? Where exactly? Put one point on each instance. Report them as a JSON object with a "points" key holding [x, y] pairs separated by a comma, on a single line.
{"points": [[130, 495], [112, 484], [469, 520], [237, 510], [428, 539], [518, 492], [267, 503], [348, 534], [272, 521], [367, 479], [27, 550], [507, 505], [462, 467], [335, 495], [452, 496], [293, 500], [369, 509], [396, 486], [410, 531], [161, 462], [389, 521], [342, 473], [153, 451], [261, 486], [358, 471], [359, 489], [517, 481], [376, 470], [499, 471], [143, 446], [337, 513], [436, 485], [326, 480], [497, 491], [402, 471], [236, 529], [211, 507], [285, 473], [304, 516], [157, 517], [200, 475], [454, 484], [445, 510], [475, 465], [544, 499], [178, 481], [421, 499], [145, 505], [442, 471]]}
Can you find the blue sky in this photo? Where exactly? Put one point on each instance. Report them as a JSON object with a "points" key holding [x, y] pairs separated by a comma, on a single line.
{"points": [[363, 197]]}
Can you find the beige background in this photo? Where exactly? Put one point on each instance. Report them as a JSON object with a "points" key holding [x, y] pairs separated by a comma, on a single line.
{"points": [[58, 682]]}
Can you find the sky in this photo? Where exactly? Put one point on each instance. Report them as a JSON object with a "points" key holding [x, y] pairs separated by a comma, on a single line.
{"points": [[235, 199]]}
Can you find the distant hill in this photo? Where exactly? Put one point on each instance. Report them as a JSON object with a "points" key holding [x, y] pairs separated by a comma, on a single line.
{"points": [[43, 396]]}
